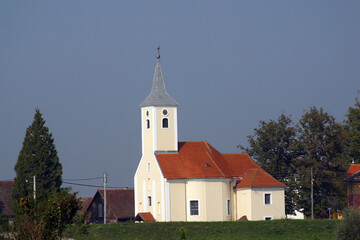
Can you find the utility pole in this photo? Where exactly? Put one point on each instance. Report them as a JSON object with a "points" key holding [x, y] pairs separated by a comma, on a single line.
{"points": [[312, 195], [105, 180], [34, 179]]}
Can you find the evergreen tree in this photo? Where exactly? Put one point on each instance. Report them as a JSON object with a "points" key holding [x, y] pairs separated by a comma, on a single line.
{"points": [[46, 217], [352, 126], [38, 157], [321, 147], [272, 147]]}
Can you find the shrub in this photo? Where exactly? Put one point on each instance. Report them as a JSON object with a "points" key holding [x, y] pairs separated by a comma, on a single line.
{"points": [[182, 233], [349, 226]]}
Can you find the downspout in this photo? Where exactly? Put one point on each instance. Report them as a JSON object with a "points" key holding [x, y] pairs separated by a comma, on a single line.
{"points": [[185, 202]]}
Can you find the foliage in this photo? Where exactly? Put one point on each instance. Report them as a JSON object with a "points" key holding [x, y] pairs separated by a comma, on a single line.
{"points": [[46, 216], [272, 147], [261, 230], [182, 233], [5, 228], [38, 157], [352, 127], [321, 147], [46, 219], [349, 226]]}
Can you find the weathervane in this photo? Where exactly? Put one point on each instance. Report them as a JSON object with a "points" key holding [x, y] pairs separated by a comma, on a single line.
{"points": [[158, 55]]}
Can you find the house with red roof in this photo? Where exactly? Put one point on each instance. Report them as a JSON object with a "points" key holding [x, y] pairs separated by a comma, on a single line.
{"points": [[5, 198], [353, 185], [119, 206], [192, 181]]}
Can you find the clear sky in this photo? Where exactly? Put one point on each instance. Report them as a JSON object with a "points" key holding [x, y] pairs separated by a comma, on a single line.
{"points": [[87, 65]]}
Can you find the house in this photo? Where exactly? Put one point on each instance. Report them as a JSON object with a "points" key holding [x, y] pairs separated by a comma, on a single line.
{"points": [[85, 202], [353, 185], [5, 198], [119, 206], [192, 181]]}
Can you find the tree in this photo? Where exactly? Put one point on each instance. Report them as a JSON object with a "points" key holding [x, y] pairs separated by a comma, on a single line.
{"points": [[46, 216], [38, 157], [352, 127], [321, 147], [272, 147]]}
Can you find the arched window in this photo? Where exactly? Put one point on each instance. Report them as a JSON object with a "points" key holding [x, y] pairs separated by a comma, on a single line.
{"points": [[147, 123], [165, 123]]}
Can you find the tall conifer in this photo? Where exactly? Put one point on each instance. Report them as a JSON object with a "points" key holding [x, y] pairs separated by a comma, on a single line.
{"points": [[38, 157]]}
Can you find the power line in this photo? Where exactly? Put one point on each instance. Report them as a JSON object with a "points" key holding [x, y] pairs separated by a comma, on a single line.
{"points": [[88, 185], [83, 179]]}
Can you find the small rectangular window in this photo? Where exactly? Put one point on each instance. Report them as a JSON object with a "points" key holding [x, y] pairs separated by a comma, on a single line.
{"points": [[148, 167], [268, 218], [267, 199], [194, 208], [228, 207], [149, 201]]}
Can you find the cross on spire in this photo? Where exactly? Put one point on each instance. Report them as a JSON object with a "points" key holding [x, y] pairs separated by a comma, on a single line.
{"points": [[158, 55]]}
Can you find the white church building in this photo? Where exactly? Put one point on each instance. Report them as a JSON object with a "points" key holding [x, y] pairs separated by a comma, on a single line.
{"points": [[192, 181]]}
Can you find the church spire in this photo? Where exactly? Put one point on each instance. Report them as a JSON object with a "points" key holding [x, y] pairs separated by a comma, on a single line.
{"points": [[158, 95]]}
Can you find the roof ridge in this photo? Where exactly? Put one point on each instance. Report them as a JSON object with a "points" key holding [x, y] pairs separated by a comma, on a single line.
{"points": [[253, 178]]}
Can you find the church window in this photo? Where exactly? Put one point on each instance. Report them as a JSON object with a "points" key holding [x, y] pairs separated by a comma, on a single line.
{"points": [[194, 208], [148, 167], [267, 199], [149, 201], [147, 113], [165, 123], [228, 207], [147, 123]]}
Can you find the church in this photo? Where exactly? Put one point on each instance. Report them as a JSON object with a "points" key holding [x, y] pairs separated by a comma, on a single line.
{"points": [[192, 181]]}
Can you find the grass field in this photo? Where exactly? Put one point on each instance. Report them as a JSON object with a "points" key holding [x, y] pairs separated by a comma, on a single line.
{"points": [[276, 229]]}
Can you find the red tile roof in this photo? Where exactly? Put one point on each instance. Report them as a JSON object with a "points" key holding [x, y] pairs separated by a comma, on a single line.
{"points": [[201, 160], [354, 168], [120, 202], [145, 217], [85, 202], [5, 198], [258, 178]]}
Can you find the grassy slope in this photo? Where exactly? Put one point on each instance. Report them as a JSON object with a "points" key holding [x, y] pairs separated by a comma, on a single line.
{"points": [[277, 229]]}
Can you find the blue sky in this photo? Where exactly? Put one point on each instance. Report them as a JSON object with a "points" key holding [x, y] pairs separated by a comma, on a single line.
{"points": [[87, 65]]}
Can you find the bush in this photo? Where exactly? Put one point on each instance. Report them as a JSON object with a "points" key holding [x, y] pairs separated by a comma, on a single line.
{"points": [[349, 226]]}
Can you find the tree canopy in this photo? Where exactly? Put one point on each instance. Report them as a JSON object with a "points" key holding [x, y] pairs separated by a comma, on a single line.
{"points": [[46, 216], [352, 127], [38, 157], [271, 146]]}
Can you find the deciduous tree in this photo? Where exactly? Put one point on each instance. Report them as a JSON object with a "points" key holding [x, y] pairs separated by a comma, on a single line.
{"points": [[352, 127], [272, 147], [321, 147]]}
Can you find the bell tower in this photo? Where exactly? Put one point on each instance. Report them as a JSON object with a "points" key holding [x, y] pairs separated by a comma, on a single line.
{"points": [[159, 117]]}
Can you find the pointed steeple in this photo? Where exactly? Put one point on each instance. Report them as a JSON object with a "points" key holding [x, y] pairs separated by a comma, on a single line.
{"points": [[158, 95]]}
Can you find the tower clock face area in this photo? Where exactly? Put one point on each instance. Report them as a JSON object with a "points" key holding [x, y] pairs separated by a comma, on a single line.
{"points": [[165, 112]]}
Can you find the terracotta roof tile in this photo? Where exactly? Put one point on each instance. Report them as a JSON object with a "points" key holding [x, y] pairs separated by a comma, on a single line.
{"points": [[201, 160], [354, 168], [193, 160], [257, 177], [5, 197], [145, 216], [120, 201]]}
